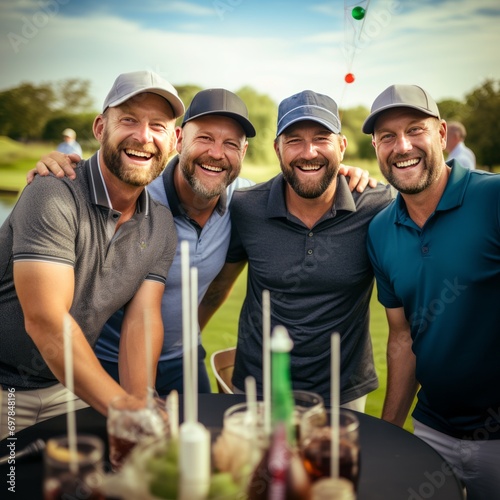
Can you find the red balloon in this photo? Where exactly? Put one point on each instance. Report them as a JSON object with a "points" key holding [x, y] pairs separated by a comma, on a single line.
{"points": [[349, 78]]}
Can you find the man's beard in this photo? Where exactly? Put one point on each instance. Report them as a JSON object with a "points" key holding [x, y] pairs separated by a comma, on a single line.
{"points": [[308, 190], [429, 175], [188, 170], [134, 175]]}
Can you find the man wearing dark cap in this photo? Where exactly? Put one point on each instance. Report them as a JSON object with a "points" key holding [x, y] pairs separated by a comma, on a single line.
{"points": [[436, 256], [303, 234], [73, 253]]}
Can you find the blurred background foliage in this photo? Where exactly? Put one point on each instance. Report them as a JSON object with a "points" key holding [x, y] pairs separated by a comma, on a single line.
{"points": [[39, 112]]}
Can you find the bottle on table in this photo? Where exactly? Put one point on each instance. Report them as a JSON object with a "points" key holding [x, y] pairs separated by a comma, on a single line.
{"points": [[280, 475]]}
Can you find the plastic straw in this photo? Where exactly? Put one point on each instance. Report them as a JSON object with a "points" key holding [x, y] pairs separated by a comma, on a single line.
{"points": [[194, 341], [251, 397], [186, 332], [266, 359], [70, 402], [335, 402], [172, 406]]}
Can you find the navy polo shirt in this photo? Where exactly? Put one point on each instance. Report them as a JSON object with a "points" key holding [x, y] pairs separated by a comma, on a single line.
{"points": [[446, 276]]}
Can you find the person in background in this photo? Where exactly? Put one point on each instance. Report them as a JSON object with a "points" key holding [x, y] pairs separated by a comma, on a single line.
{"points": [[303, 234], [69, 144], [436, 256], [72, 253], [456, 148], [198, 186]]}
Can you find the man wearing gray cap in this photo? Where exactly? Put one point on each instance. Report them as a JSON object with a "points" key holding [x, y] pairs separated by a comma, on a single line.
{"points": [[72, 253], [436, 256], [303, 234]]}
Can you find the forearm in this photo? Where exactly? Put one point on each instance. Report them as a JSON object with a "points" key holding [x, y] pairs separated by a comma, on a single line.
{"points": [[401, 382], [91, 382], [141, 339]]}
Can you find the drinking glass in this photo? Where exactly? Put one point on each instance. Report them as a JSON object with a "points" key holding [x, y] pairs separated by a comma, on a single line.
{"points": [[61, 480], [316, 445], [132, 420]]}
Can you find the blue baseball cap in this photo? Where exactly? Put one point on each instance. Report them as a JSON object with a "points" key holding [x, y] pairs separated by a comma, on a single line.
{"points": [[308, 105]]}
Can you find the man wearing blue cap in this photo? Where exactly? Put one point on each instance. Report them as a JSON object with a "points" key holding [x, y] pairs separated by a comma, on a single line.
{"points": [[72, 253], [303, 234], [436, 256]]}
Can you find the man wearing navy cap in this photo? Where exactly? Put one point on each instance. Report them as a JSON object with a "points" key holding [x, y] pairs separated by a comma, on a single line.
{"points": [[436, 256], [303, 234], [74, 252]]}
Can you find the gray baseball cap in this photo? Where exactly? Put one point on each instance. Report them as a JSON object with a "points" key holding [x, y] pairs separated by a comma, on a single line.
{"points": [[308, 105], [219, 102], [128, 85], [400, 96]]}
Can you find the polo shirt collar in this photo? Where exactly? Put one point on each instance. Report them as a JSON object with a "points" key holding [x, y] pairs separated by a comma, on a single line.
{"points": [[172, 197], [99, 192], [343, 200], [452, 196]]}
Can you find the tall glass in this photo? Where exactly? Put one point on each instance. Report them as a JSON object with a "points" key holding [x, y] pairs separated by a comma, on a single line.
{"points": [[305, 402], [60, 481], [316, 445], [132, 420]]}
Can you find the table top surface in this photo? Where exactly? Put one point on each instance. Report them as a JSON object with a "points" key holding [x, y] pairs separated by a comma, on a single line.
{"points": [[395, 465]]}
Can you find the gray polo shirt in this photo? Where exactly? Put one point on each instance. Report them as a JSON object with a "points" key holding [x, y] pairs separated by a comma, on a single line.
{"points": [[72, 223], [320, 281]]}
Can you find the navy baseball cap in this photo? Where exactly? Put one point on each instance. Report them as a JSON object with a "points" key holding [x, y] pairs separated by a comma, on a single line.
{"points": [[308, 105], [219, 102], [128, 85], [400, 96]]}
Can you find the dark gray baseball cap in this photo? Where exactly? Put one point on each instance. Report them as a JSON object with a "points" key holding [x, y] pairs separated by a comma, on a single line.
{"points": [[400, 96], [308, 105], [128, 85], [219, 102]]}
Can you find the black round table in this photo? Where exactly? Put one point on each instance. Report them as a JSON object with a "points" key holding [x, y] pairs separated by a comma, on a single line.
{"points": [[395, 465]]}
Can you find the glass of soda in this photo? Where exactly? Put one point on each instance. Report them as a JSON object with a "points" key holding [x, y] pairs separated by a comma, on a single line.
{"points": [[132, 420], [316, 445], [68, 476]]}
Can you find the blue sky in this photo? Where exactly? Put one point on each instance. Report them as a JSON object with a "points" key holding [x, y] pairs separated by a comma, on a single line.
{"points": [[277, 47]]}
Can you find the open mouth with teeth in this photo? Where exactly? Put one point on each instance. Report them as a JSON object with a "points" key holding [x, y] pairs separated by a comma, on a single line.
{"points": [[211, 168], [309, 168], [407, 163], [138, 155]]}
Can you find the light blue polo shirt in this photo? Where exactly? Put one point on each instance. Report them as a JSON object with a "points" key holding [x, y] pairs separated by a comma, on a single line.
{"points": [[207, 247], [446, 276]]}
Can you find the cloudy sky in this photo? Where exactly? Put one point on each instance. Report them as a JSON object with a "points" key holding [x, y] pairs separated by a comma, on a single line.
{"points": [[277, 47]]}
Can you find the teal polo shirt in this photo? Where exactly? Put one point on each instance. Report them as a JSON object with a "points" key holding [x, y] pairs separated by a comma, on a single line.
{"points": [[446, 276]]}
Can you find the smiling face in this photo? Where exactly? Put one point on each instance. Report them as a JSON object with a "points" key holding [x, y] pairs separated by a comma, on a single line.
{"points": [[136, 138], [409, 146], [310, 156], [211, 150]]}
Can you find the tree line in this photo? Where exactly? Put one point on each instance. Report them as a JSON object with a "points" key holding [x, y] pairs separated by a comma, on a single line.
{"points": [[39, 112]]}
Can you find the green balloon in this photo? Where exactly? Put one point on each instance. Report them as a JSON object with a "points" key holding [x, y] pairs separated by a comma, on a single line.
{"points": [[358, 13]]}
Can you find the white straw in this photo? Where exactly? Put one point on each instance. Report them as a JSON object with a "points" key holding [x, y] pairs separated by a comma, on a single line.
{"points": [[149, 355], [194, 341], [335, 402], [251, 397], [172, 405], [266, 359], [70, 402], [186, 331]]}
